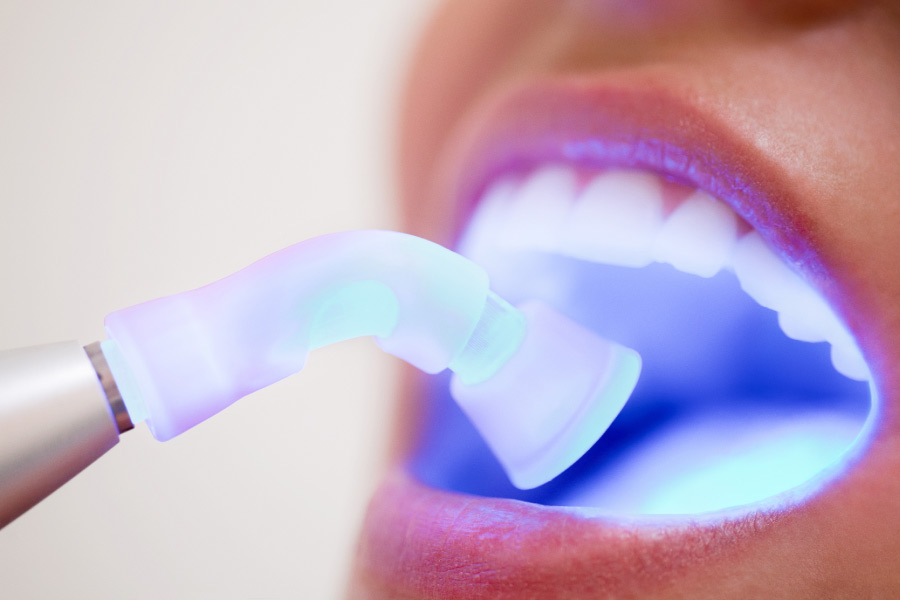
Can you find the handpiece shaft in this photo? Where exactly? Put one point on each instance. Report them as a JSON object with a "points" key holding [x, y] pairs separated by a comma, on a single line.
{"points": [[56, 418]]}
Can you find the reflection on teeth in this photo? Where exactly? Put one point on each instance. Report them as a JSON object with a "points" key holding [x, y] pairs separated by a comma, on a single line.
{"points": [[680, 245], [541, 207], [616, 219]]}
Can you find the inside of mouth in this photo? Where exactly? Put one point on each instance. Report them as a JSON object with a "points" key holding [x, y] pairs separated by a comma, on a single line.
{"points": [[729, 412]]}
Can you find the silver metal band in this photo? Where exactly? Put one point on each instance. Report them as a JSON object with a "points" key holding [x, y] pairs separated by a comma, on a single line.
{"points": [[123, 420]]}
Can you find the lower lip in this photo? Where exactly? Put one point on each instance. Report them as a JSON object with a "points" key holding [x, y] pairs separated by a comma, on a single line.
{"points": [[423, 542]]}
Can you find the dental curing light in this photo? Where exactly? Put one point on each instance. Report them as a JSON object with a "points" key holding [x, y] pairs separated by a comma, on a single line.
{"points": [[540, 388]]}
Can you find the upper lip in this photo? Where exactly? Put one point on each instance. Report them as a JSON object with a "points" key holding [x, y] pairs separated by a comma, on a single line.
{"points": [[629, 121], [476, 547]]}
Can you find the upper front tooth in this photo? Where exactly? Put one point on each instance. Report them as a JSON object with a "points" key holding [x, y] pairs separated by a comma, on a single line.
{"points": [[698, 236], [540, 209], [616, 219]]}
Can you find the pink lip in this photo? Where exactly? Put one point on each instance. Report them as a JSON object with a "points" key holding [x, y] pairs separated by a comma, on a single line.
{"points": [[420, 542]]}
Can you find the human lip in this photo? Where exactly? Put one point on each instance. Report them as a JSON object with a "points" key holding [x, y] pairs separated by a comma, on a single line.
{"points": [[459, 546], [423, 543], [654, 122]]}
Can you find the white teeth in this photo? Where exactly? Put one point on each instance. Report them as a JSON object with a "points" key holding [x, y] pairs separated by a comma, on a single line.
{"points": [[680, 245], [809, 319], [616, 219], [490, 217], [542, 205], [762, 274], [847, 359]]}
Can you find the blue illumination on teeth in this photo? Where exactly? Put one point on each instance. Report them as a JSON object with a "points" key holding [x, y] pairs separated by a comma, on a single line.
{"points": [[734, 405], [733, 387]]}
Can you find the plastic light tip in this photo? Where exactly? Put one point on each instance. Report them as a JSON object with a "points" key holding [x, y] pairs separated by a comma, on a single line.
{"points": [[553, 399]]}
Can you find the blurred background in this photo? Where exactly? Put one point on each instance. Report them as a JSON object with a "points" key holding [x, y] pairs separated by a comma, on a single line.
{"points": [[151, 147]]}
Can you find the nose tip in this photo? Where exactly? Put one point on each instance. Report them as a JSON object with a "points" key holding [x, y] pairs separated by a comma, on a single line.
{"points": [[553, 399]]}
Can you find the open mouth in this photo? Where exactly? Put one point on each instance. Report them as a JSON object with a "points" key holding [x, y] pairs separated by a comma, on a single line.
{"points": [[752, 389], [631, 210]]}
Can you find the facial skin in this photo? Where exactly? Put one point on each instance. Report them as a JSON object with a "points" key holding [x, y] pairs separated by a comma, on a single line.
{"points": [[790, 112]]}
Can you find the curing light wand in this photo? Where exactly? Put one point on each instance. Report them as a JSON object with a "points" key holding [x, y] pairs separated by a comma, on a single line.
{"points": [[539, 388]]}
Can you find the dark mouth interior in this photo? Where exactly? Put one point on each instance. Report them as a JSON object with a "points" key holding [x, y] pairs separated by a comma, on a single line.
{"points": [[728, 410]]}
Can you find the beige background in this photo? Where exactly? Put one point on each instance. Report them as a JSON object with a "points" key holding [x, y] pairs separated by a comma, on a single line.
{"points": [[150, 147]]}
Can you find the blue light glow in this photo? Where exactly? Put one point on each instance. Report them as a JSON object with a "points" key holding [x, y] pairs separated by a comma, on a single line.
{"points": [[710, 462], [764, 463], [728, 410]]}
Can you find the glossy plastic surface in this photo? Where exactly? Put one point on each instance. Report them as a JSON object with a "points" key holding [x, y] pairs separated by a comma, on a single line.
{"points": [[190, 355]]}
